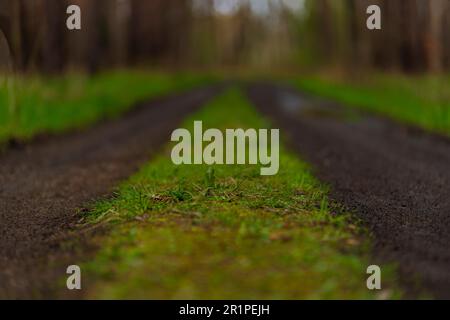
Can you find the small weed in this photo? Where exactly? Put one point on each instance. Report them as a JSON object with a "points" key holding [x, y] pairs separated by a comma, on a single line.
{"points": [[210, 178], [180, 194]]}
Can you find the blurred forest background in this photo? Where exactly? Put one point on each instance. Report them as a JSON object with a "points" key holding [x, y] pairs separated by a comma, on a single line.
{"points": [[321, 46], [254, 34]]}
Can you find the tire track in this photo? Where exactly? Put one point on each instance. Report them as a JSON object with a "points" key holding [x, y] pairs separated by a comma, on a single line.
{"points": [[44, 184], [396, 178]]}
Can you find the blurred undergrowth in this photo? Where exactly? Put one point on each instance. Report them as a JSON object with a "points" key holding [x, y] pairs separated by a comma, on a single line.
{"points": [[418, 100], [31, 105]]}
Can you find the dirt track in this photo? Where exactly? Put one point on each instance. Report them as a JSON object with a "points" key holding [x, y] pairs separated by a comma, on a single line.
{"points": [[397, 179], [44, 184]]}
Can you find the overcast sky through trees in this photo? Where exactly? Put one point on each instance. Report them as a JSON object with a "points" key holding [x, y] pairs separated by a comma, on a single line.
{"points": [[260, 7]]}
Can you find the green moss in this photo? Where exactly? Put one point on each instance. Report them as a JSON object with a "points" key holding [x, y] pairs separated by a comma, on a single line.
{"points": [[225, 232]]}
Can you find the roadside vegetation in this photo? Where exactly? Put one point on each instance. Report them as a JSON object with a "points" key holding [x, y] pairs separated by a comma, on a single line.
{"points": [[422, 100], [31, 105], [226, 232]]}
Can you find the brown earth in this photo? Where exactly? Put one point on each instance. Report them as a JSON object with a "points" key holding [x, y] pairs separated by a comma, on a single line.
{"points": [[395, 178], [45, 185]]}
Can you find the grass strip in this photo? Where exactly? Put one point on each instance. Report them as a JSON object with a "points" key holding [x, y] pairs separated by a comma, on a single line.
{"points": [[226, 232]]}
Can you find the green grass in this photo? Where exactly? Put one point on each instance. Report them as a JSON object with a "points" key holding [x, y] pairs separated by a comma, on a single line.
{"points": [[226, 232], [419, 100], [32, 105]]}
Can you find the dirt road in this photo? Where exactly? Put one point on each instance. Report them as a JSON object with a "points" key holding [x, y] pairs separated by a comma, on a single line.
{"points": [[397, 179], [44, 184]]}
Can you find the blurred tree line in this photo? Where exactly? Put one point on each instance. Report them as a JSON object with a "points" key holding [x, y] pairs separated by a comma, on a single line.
{"points": [[114, 32], [177, 33], [415, 35]]}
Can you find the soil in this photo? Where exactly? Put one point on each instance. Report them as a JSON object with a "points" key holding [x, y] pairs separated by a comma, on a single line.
{"points": [[45, 186], [395, 178]]}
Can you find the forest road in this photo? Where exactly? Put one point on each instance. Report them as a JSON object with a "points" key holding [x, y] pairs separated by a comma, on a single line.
{"points": [[395, 178], [45, 184]]}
